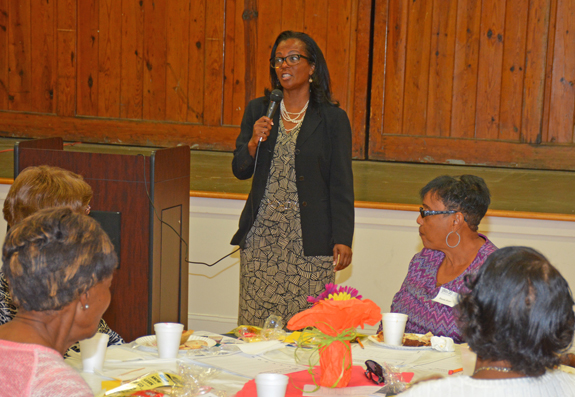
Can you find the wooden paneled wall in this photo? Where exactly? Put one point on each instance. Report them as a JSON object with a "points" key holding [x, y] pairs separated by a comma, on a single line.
{"points": [[443, 81], [474, 81], [162, 72]]}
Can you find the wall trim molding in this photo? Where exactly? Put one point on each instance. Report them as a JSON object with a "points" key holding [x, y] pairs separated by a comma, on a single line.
{"points": [[213, 323]]}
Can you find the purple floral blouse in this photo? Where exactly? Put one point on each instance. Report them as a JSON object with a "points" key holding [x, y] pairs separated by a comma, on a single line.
{"points": [[419, 288]]}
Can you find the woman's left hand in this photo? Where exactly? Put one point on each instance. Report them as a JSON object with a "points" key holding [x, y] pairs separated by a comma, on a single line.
{"points": [[341, 256]]}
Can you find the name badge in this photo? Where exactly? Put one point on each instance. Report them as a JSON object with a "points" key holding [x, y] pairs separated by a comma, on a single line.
{"points": [[446, 297]]}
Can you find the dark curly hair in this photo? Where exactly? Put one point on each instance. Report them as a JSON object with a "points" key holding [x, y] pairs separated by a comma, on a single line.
{"points": [[467, 194], [519, 309], [53, 256], [321, 85]]}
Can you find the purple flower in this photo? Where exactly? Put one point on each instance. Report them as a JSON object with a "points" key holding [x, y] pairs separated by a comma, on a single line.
{"points": [[334, 290]]}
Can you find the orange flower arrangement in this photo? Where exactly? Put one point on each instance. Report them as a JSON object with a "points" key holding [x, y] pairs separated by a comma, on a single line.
{"points": [[336, 314]]}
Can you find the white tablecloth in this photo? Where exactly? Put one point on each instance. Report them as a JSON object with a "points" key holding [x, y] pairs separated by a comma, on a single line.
{"points": [[422, 362]]}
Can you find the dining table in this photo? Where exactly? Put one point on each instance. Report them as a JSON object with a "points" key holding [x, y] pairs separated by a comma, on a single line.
{"points": [[232, 364]]}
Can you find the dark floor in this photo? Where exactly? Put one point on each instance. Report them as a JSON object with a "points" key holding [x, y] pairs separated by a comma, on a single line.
{"points": [[387, 182]]}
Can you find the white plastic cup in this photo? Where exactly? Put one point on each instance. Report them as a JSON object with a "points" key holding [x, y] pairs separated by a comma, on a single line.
{"points": [[468, 358], [393, 328], [168, 337], [271, 385], [93, 352]]}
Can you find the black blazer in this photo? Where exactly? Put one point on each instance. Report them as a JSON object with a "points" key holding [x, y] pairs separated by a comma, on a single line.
{"points": [[323, 173]]}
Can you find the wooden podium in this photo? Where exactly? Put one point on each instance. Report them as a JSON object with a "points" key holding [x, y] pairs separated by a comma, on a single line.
{"points": [[151, 283]]}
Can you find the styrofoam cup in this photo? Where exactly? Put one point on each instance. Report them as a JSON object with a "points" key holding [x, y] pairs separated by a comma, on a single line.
{"points": [[393, 328], [468, 358], [271, 385], [93, 352], [168, 337]]}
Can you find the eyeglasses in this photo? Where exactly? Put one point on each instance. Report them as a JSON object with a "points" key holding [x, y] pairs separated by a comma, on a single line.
{"points": [[425, 213], [291, 60], [374, 372]]}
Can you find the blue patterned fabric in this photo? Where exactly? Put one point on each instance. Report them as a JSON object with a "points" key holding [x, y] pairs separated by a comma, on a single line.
{"points": [[420, 287]]}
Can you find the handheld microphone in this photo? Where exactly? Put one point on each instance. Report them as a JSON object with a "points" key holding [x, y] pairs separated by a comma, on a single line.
{"points": [[275, 98]]}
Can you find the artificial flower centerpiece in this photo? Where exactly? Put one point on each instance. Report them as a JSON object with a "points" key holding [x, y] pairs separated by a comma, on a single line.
{"points": [[335, 314]]}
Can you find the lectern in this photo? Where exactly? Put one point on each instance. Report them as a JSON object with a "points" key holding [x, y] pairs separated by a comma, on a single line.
{"points": [[147, 198]]}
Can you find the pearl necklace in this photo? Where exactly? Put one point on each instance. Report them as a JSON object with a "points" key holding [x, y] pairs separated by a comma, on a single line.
{"points": [[292, 117], [497, 369]]}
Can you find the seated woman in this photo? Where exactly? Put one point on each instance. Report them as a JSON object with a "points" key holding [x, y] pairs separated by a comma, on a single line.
{"points": [[451, 212], [45, 187], [518, 318], [59, 265]]}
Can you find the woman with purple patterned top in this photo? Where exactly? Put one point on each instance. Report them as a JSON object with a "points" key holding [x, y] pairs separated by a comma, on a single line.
{"points": [[448, 221]]}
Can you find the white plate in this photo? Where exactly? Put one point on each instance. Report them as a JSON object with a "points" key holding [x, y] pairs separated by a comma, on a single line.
{"points": [[373, 338], [148, 343]]}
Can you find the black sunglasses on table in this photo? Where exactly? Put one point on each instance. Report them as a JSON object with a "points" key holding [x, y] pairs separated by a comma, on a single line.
{"points": [[374, 372]]}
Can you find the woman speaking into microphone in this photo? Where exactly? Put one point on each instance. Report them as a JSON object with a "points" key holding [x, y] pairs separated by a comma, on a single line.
{"points": [[296, 228]]}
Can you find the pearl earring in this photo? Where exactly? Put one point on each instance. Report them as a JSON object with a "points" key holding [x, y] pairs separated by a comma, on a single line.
{"points": [[310, 79], [86, 307]]}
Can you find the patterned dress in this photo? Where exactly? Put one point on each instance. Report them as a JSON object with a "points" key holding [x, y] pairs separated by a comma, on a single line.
{"points": [[419, 288], [275, 276], [8, 311]]}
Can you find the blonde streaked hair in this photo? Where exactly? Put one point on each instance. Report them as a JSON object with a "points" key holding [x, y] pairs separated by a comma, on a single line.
{"points": [[42, 187]]}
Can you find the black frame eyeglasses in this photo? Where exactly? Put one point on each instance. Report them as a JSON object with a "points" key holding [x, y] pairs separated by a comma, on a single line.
{"points": [[374, 372], [425, 213], [291, 60]]}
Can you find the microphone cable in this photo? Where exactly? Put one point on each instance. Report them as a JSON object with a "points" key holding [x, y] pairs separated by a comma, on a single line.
{"points": [[276, 97], [175, 231], [253, 177]]}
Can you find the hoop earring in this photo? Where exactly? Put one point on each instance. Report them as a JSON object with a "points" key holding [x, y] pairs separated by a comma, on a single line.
{"points": [[447, 239]]}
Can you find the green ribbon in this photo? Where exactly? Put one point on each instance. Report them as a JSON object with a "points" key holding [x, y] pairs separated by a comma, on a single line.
{"points": [[315, 336]]}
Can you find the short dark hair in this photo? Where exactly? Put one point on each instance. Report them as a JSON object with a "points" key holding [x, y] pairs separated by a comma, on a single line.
{"points": [[321, 85], [520, 309], [467, 194], [53, 256], [42, 187]]}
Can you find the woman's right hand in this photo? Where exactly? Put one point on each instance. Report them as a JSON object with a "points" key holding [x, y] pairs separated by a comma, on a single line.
{"points": [[261, 132]]}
